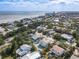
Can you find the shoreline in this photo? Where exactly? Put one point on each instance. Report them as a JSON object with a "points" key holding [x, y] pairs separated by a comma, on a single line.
{"points": [[12, 18]]}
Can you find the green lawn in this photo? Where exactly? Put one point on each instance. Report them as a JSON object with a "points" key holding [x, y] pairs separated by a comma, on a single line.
{"points": [[63, 41], [8, 57]]}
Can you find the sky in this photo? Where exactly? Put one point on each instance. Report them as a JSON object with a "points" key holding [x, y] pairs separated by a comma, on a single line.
{"points": [[39, 5]]}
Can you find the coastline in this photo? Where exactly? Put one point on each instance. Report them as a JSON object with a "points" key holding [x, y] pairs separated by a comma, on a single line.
{"points": [[11, 18]]}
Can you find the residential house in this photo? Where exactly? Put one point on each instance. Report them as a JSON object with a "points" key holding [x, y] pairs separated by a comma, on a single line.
{"points": [[74, 57], [56, 20], [56, 50], [69, 38], [51, 31], [76, 52], [10, 27], [33, 55], [2, 30], [45, 41], [26, 20], [26, 25], [37, 36], [41, 27], [24, 49]]}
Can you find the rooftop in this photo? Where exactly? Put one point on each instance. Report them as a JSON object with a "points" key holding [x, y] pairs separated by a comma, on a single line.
{"points": [[57, 48], [67, 36], [76, 52], [34, 55], [74, 57], [24, 49], [2, 29], [48, 40], [39, 34]]}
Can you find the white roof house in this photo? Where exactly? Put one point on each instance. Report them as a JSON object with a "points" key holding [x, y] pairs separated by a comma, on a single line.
{"points": [[45, 41], [74, 57], [39, 34], [76, 52], [68, 37], [24, 49], [41, 27], [36, 37], [56, 20], [2, 29], [51, 31], [33, 55]]}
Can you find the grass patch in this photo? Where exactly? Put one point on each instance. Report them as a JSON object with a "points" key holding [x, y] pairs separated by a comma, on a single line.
{"points": [[8, 57], [63, 41]]}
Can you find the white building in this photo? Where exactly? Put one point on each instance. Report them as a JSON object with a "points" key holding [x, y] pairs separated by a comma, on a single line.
{"points": [[39, 34], [68, 37], [45, 41], [76, 52], [33, 55], [24, 49], [74, 57], [41, 27], [56, 20], [37, 37], [2, 29]]}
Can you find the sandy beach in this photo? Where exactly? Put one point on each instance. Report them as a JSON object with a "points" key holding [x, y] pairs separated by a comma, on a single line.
{"points": [[11, 18]]}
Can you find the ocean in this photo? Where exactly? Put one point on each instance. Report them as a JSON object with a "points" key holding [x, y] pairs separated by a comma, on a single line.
{"points": [[10, 16]]}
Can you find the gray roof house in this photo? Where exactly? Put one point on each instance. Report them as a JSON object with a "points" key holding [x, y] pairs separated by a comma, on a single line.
{"points": [[41, 27], [35, 38], [33, 55], [68, 37], [51, 32], [43, 44], [24, 49], [45, 41]]}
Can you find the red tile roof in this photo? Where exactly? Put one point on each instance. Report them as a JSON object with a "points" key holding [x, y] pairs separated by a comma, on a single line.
{"points": [[58, 49]]}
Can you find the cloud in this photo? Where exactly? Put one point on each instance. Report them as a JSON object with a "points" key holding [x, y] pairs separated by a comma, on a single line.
{"points": [[65, 1], [40, 5]]}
